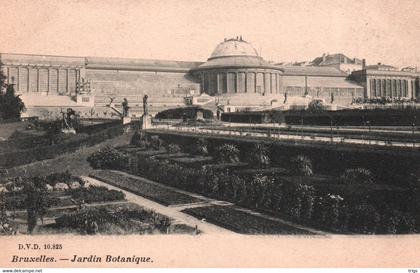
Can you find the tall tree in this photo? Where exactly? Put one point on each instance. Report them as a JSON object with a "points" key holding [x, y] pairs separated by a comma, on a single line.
{"points": [[36, 201], [10, 105]]}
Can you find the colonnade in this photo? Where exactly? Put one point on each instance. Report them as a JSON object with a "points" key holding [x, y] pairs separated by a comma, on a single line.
{"points": [[45, 79], [391, 87], [242, 81]]}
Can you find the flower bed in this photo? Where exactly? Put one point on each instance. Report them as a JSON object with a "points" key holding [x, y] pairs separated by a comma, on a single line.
{"points": [[115, 219], [231, 218], [310, 200], [192, 161], [96, 194], [151, 191]]}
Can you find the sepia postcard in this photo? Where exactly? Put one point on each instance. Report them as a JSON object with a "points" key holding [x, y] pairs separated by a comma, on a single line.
{"points": [[209, 134]]}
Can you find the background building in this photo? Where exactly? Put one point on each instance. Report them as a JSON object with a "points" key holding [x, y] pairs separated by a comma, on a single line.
{"points": [[234, 74], [386, 81]]}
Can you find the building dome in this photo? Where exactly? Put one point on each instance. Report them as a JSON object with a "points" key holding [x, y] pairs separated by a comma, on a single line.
{"points": [[233, 47], [234, 52], [235, 67]]}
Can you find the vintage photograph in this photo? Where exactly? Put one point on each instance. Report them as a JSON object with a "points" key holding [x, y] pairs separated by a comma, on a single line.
{"points": [[294, 118]]}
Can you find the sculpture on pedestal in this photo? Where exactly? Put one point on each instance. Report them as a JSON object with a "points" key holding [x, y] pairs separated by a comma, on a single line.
{"points": [[146, 119], [125, 107], [145, 106]]}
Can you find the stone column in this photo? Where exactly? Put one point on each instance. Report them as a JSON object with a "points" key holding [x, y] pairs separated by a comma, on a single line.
{"points": [[29, 80], [67, 82], [264, 83], [368, 83], [409, 89], [49, 77], [58, 80], [18, 79], [227, 82], [37, 80], [246, 82], [217, 83], [237, 82], [202, 83], [255, 81]]}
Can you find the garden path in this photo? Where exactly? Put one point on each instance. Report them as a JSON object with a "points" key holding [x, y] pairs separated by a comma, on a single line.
{"points": [[175, 210], [172, 212]]}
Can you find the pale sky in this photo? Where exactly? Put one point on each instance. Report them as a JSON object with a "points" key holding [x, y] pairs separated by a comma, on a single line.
{"points": [[386, 31]]}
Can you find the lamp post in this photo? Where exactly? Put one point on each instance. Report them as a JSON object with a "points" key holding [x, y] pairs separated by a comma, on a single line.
{"points": [[368, 123]]}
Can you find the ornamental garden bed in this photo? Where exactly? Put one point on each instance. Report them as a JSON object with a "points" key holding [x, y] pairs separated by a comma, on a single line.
{"points": [[148, 190], [264, 171], [131, 149], [226, 166], [92, 194], [148, 153], [192, 161], [239, 221], [115, 219], [174, 155]]}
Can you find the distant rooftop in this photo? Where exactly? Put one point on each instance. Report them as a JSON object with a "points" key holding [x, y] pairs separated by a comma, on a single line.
{"points": [[312, 71], [338, 58], [383, 67]]}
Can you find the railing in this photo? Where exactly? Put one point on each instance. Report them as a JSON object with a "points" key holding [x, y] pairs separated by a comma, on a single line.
{"points": [[284, 136]]}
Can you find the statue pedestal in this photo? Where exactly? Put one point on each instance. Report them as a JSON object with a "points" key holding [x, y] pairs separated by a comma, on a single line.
{"points": [[126, 120], [146, 122], [87, 100]]}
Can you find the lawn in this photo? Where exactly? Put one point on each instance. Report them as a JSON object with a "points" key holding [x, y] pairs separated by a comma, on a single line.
{"points": [[74, 162], [148, 190], [239, 221]]}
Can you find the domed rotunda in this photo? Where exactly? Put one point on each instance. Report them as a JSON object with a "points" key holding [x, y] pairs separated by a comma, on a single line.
{"points": [[235, 67]]}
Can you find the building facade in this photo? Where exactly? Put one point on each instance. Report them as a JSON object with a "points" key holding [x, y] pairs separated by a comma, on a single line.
{"points": [[387, 82], [234, 72]]}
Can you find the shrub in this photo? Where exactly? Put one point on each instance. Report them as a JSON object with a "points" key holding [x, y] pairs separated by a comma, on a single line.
{"points": [[301, 165], [36, 201], [136, 139], [201, 147], [259, 155], [184, 113], [316, 105], [10, 105], [62, 177], [173, 149], [357, 176], [228, 153], [156, 143], [107, 158], [93, 220]]}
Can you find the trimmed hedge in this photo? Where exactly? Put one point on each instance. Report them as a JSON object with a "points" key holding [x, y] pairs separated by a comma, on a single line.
{"points": [[184, 112], [376, 117]]}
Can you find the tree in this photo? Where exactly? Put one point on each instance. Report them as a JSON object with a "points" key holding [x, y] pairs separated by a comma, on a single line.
{"points": [[228, 153], [301, 165], [201, 146], [357, 176], [36, 201], [259, 155], [10, 105]]}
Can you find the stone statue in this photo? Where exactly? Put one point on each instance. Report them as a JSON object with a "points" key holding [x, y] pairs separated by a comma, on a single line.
{"points": [[125, 107], [145, 105]]}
